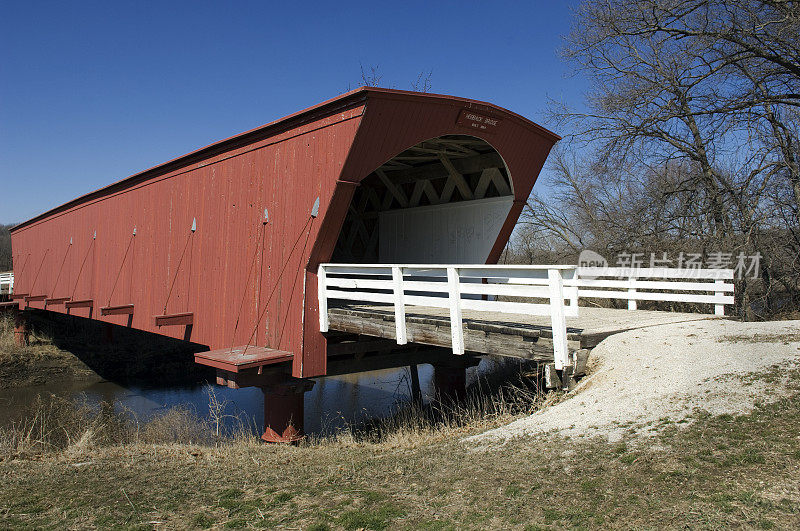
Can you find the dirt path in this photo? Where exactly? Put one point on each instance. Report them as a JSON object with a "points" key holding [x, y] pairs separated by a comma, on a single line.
{"points": [[643, 379]]}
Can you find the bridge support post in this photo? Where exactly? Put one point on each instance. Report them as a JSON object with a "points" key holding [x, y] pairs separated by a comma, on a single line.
{"points": [[416, 390], [450, 382], [20, 329], [450, 377], [283, 410]]}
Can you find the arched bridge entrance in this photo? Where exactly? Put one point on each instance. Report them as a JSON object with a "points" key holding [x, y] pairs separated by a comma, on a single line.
{"points": [[442, 201]]}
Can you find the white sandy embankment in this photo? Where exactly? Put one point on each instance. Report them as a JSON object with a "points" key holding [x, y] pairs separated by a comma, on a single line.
{"points": [[641, 379]]}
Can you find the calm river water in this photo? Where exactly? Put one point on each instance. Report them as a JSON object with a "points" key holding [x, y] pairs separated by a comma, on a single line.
{"points": [[332, 404]]}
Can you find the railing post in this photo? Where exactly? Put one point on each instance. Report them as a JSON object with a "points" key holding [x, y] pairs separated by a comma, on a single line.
{"points": [[632, 291], [322, 295], [399, 306], [456, 330], [573, 299], [719, 309], [558, 322]]}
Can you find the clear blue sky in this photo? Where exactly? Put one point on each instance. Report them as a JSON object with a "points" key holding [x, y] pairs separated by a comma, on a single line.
{"points": [[91, 92]]}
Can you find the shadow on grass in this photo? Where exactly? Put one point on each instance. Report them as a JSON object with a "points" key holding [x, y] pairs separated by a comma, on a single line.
{"points": [[128, 357]]}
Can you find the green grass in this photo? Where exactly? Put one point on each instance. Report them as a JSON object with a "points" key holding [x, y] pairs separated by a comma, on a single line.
{"points": [[201, 521], [369, 518]]}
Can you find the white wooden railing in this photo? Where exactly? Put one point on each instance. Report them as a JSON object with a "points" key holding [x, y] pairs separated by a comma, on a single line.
{"points": [[476, 287], [692, 285], [456, 288], [6, 283]]}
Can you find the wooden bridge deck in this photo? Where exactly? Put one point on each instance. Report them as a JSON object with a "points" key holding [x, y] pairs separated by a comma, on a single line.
{"points": [[504, 334]]}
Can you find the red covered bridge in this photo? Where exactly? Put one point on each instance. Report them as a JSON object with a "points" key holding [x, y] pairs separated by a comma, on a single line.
{"points": [[220, 246], [129, 251], [223, 246]]}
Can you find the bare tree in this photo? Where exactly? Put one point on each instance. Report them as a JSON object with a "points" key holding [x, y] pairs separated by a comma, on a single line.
{"points": [[750, 54], [372, 76], [690, 133], [423, 82], [757, 37]]}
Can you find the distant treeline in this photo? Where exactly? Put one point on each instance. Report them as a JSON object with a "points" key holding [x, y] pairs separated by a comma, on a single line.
{"points": [[5, 248]]}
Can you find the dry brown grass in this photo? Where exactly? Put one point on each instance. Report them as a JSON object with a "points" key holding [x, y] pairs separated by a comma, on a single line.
{"points": [[715, 474], [488, 405], [726, 471], [57, 424], [70, 465]]}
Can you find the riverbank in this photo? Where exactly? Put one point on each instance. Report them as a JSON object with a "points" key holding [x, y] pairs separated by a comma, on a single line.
{"points": [[64, 347], [721, 471], [38, 363], [421, 469]]}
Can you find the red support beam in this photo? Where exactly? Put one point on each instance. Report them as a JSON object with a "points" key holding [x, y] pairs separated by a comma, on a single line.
{"points": [[174, 319], [85, 303], [124, 309]]}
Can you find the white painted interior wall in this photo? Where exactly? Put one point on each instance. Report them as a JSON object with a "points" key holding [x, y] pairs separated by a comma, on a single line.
{"points": [[452, 233]]}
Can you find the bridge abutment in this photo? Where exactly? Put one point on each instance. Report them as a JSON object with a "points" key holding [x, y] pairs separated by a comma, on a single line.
{"points": [[284, 410], [20, 329], [450, 377], [450, 382]]}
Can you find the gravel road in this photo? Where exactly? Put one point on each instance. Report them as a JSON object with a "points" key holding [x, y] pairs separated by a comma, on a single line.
{"points": [[641, 379]]}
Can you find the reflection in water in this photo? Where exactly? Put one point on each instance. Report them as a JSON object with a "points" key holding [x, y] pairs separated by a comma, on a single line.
{"points": [[333, 403]]}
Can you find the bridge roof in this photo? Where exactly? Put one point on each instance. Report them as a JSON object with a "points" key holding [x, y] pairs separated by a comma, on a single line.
{"points": [[344, 101]]}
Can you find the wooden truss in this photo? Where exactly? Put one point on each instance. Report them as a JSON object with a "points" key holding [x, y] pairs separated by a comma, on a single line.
{"points": [[443, 170]]}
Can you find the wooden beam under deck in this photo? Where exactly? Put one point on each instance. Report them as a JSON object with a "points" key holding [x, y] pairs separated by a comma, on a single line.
{"points": [[242, 358], [481, 337], [393, 360], [502, 334], [85, 303]]}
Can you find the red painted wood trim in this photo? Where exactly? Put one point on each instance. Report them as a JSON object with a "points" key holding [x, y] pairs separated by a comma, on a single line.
{"points": [[505, 231], [15, 296], [87, 303], [57, 300], [314, 361], [34, 298], [175, 319], [219, 359], [125, 309]]}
